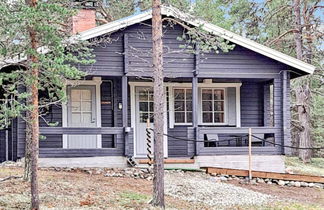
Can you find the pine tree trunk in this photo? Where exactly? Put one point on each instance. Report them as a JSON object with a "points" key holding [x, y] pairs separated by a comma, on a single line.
{"points": [[298, 33], [34, 142], [302, 92], [302, 99], [158, 168], [34, 113], [27, 162]]}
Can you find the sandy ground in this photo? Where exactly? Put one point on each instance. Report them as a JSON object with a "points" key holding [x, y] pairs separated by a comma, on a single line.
{"points": [[78, 190]]}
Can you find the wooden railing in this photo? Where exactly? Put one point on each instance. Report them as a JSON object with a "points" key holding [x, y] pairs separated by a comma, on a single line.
{"points": [[81, 131], [235, 135]]}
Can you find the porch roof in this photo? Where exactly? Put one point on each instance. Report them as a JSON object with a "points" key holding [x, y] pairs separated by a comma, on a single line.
{"points": [[216, 30]]}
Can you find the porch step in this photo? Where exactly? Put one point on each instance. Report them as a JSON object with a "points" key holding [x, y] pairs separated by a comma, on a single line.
{"points": [[175, 163], [170, 161]]}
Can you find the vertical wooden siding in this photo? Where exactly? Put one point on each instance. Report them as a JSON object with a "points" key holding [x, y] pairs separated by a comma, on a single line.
{"points": [[2, 146]]}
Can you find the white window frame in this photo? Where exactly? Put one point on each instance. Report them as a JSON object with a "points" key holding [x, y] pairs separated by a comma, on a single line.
{"points": [[173, 104], [96, 81], [213, 101], [172, 85], [133, 86]]}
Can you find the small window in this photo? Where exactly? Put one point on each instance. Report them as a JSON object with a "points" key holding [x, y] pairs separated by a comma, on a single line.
{"points": [[213, 105], [182, 105]]}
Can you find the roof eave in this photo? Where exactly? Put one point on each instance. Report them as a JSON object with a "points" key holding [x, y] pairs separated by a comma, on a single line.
{"points": [[237, 39]]}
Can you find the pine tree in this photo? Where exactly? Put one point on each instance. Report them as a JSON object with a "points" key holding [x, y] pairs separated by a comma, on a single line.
{"points": [[35, 36], [157, 55], [292, 27]]}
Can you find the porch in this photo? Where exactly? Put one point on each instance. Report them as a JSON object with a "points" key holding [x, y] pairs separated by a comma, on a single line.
{"points": [[235, 105]]}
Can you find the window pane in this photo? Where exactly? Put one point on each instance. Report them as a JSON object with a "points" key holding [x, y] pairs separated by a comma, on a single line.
{"points": [[218, 106], [86, 95], [143, 106], [76, 119], [207, 106], [179, 106], [143, 117], [151, 106], [189, 105], [188, 94], [189, 117], [86, 106], [207, 117], [207, 94], [179, 117], [178, 94], [75, 106], [86, 118], [151, 114], [75, 95], [143, 96], [218, 94], [151, 96], [219, 117]]}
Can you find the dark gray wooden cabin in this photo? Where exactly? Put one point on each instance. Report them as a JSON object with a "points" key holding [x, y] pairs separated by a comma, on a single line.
{"points": [[208, 96]]}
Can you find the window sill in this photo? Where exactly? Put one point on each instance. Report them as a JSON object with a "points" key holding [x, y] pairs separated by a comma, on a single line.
{"points": [[175, 124]]}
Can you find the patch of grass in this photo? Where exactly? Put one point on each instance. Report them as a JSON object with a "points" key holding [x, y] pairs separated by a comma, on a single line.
{"points": [[294, 206], [131, 199], [315, 167], [281, 205], [4, 172]]}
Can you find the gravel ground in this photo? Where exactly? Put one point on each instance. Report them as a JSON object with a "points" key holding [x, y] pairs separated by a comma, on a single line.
{"points": [[199, 188]]}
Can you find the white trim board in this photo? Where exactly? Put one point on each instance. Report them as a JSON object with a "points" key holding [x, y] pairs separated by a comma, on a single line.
{"points": [[172, 85], [96, 81], [216, 30], [133, 102], [188, 84]]}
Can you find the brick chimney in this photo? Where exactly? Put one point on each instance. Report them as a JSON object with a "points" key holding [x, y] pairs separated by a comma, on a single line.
{"points": [[84, 20]]}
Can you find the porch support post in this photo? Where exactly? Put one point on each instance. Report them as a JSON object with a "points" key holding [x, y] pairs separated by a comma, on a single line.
{"points": [[277, 110], [125, 95], [195, 99], [286, 112], [194, 111], [125, 112], [266, 104]]}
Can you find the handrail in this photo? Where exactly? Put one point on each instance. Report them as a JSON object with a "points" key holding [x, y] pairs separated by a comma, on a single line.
{"points": [[82, 130]]}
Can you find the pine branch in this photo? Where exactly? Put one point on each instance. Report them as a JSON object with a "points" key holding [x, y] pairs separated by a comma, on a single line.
{"points": [[268, 17], [281, 35]]}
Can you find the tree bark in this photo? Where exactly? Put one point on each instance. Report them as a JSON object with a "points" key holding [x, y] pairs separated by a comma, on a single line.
{"points": [[298, 31], [302, 99], [158, 167], [34, 113], [303, 96], [27, 161]]}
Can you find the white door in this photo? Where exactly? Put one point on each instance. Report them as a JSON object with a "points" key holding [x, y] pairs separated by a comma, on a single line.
{"points": [[82, 113], [144, 110]]}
